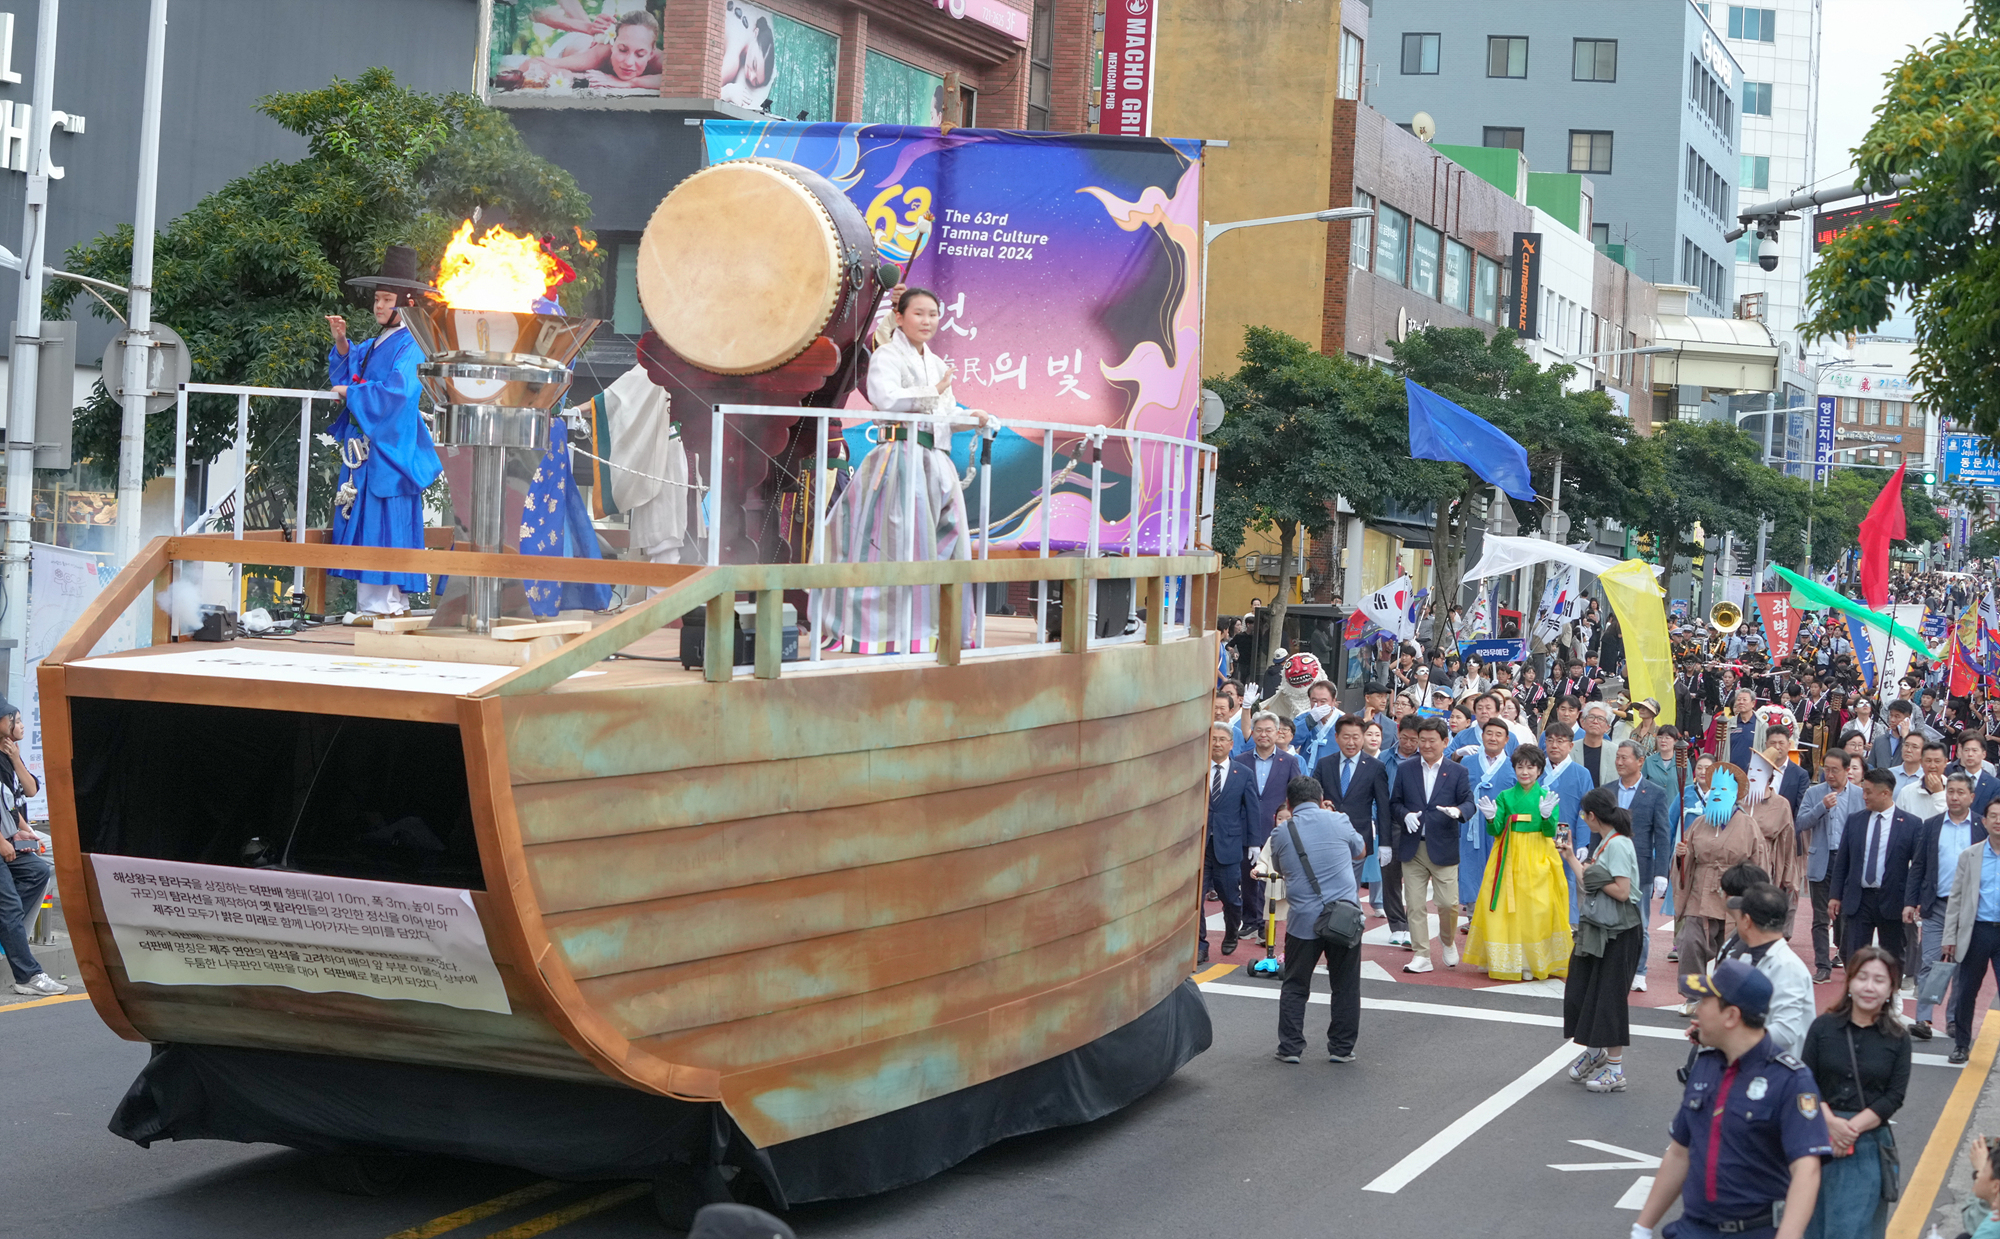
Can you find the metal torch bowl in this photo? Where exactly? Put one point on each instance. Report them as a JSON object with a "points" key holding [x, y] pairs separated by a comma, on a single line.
{"points": [[498, 337]]}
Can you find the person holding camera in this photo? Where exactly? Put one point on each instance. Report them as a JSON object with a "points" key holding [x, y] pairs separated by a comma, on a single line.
{"points": [[1608, 945], [1314, 850]]}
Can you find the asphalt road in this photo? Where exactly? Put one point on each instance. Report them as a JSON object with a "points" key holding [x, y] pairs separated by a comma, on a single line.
{"points": [[1236, 1143]]}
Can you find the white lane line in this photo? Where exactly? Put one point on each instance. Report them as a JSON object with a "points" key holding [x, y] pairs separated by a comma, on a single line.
{"points": [[1499, 1017], [1461, 1129], [1635, 1195]]}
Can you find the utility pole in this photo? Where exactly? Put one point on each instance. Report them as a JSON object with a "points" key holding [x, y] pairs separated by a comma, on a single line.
{"points": [[133, 383], [24, 361]]}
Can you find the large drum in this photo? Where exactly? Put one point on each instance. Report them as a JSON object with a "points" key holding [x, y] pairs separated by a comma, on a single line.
{"points": [[746, 263]]}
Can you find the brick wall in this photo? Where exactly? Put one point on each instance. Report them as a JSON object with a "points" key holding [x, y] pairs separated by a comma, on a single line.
{"points": [[1071, 82], [691, 62]]}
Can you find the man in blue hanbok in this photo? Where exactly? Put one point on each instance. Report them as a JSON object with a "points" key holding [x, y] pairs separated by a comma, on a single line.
{"points": [[387, 456]]}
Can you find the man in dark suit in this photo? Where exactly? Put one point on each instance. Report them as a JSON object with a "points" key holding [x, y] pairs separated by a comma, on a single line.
{"points": [[1933, 865], [1871, 870], [1652, 833], [1271, 771], [1985, 783], [1358, 785], [1792, 780], [1232, 806], [1429, 805]]}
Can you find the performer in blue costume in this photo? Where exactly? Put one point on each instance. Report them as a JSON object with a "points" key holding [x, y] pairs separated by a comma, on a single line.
{"points": [[387, 456]]}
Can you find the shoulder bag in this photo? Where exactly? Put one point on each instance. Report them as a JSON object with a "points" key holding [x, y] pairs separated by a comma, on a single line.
{"points": [[1885, 1140], [1339, 922]]}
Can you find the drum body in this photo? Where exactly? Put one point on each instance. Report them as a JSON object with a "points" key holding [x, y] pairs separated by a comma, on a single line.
{"points": [[744, 264]]}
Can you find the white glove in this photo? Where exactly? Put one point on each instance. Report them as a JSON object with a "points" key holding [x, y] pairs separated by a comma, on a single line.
{"points": [[1410, 823], [1583, 855], [1252, 854], [1660, 887], [1386, 855], [1249, 695], [1550, 802], [1450, 811], [1641, 1232], [1488, 806]]}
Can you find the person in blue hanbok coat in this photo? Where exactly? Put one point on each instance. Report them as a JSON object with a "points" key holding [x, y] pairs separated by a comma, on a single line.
{"points": [[1490, 766], [387, 456]]}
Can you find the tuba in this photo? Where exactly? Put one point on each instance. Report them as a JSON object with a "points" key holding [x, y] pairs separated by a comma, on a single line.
{"points": [[1725, 617]]}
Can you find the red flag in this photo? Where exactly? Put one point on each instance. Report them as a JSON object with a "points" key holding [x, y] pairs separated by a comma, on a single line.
{"points": [[1781, 623], [1883, 525]]}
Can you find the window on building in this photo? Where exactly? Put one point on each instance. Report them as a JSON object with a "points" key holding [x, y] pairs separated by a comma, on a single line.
{"points": [[1512, 139], [1361, 232], [1486, 293], [1746, 247], [1457, 277], [894, 93], [1600, 234], [1589, 150], [1850, 411], [802, 88], [1756, 98], [1871, 412], [627, 318], [1350, 65], [1753, 25], [1424, 242], [1041, 64], [1756, 172], [1392, 239], [1506, 56], [1892, 412], [1420, 53], [1596, 60]]}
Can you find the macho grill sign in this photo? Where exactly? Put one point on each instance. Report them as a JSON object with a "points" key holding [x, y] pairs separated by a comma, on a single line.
{"points": [[1128, 69]]}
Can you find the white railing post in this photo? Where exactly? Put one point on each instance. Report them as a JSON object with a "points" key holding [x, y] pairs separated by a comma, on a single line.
{"points": [[815, 605], [1048, 502], [242, 490], [984, 446], [908, 621], [305, 446], [715, 495], [1096, 441]]}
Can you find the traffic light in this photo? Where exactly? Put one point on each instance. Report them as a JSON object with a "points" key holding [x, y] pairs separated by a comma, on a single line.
{"points": [[1930, 477]]}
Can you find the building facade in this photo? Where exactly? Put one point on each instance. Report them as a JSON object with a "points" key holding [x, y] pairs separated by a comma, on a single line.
{"points": [[1641, 98], [1778, 47]]}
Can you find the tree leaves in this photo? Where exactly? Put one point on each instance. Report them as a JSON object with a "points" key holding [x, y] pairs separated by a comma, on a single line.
{"points": [[248, 274]]}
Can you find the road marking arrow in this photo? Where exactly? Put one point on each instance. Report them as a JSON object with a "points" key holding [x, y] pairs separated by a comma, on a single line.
{"points": [[1639, 1161]]}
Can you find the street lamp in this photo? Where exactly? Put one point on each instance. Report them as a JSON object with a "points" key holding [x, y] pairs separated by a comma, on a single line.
{"points": [[1649, 350], [1209, 232]]}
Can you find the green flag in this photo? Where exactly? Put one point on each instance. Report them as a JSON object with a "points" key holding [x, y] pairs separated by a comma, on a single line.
{"points": [[1815, 597]]}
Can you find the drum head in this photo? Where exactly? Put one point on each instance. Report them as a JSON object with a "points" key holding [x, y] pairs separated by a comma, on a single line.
{"points": [[740, 268]]}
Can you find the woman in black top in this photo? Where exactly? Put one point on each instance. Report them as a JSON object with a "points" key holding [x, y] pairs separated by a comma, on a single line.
{"points": [[1859, 1053]]}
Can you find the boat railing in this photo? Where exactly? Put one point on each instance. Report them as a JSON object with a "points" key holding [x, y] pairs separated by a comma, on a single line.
{"points": [[1175, 519]]}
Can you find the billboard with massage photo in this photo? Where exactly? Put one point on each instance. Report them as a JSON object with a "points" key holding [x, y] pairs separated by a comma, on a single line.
{"points": [[603, 48], [1066, 265]]}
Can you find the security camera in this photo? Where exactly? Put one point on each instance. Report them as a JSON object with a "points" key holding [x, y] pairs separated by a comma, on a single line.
{"points": [[1767, 253]]}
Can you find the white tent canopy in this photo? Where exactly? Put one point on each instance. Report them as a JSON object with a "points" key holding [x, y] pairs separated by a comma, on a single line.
{"points": [[1501, 555]]}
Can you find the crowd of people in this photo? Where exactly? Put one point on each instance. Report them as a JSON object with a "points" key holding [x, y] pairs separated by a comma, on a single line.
{"points": [[1533, 820]]}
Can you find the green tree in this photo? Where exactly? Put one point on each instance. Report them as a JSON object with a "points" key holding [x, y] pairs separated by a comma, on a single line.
{"points": [[1938, 124], [1603, 474], [1840, 507], [1712, 474], [1302, 430], [247, 274]]}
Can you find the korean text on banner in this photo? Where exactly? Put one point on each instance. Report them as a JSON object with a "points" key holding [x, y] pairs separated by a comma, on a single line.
{"points": [[1781, 623], [185, 924], [1129, 30]]}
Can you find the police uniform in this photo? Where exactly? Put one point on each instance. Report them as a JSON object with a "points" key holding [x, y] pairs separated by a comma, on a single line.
{"points": [[1743, 1125]]}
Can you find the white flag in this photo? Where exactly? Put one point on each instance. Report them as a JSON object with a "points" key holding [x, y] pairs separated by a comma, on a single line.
{"points": [[1481, 624], [1558, 605], [1389, 607]]}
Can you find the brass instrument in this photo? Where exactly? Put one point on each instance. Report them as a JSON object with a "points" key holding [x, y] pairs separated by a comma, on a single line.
{"points": [[1725, 617]]}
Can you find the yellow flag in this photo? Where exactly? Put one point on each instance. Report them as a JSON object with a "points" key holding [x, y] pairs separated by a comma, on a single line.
{"points": [[1640, 605]]}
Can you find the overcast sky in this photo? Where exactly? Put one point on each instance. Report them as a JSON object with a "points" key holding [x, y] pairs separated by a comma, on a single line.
{"points": [[1861, 41]]}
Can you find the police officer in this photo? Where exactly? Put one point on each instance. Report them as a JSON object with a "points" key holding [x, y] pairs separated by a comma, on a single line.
{"points": [[1749, 1134]]}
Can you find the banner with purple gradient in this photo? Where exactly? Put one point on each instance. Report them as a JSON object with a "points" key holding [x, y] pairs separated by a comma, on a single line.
{"points": [[1066, 265]]}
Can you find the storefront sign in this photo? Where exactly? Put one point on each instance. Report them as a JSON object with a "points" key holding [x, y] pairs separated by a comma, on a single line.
{"points": [[1868, 436], [1966, 461], [185, 924], [1881, 386], [1128, 69], [1718, 59], [1829, 224], [1527, 317], [1823, 438], [1007, 21]]}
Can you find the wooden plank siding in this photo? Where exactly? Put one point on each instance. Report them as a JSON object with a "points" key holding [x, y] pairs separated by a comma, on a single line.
{"points": [[845, 894]]}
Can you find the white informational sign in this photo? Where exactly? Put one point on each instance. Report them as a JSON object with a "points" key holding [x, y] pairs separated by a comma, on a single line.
{"points": [[273, 663], [184, 924], [61, 583]]}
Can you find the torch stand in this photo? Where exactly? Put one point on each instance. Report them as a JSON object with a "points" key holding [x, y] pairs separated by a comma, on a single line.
{"points": [[494, 378]]}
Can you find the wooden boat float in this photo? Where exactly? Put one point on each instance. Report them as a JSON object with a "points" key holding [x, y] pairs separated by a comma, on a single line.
{"points": [[819, 897]]}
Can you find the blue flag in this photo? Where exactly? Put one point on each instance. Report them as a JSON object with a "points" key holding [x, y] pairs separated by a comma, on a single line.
{"points": [[1440, 430], [1864, 654]]}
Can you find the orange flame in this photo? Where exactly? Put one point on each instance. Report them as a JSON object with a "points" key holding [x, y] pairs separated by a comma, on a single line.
{"points": [[589, 246], [502, 271]]}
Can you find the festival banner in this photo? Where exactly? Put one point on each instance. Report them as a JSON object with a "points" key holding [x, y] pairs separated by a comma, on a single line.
{"points": [[1480, 622], [1894, 656], [1781, 623], [1065, 264], [1864, 653], [1490, 650], [1558, 606]]}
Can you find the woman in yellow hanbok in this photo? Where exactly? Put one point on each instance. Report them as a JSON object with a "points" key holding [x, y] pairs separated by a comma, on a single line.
{"points": [[1520, 924]]}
